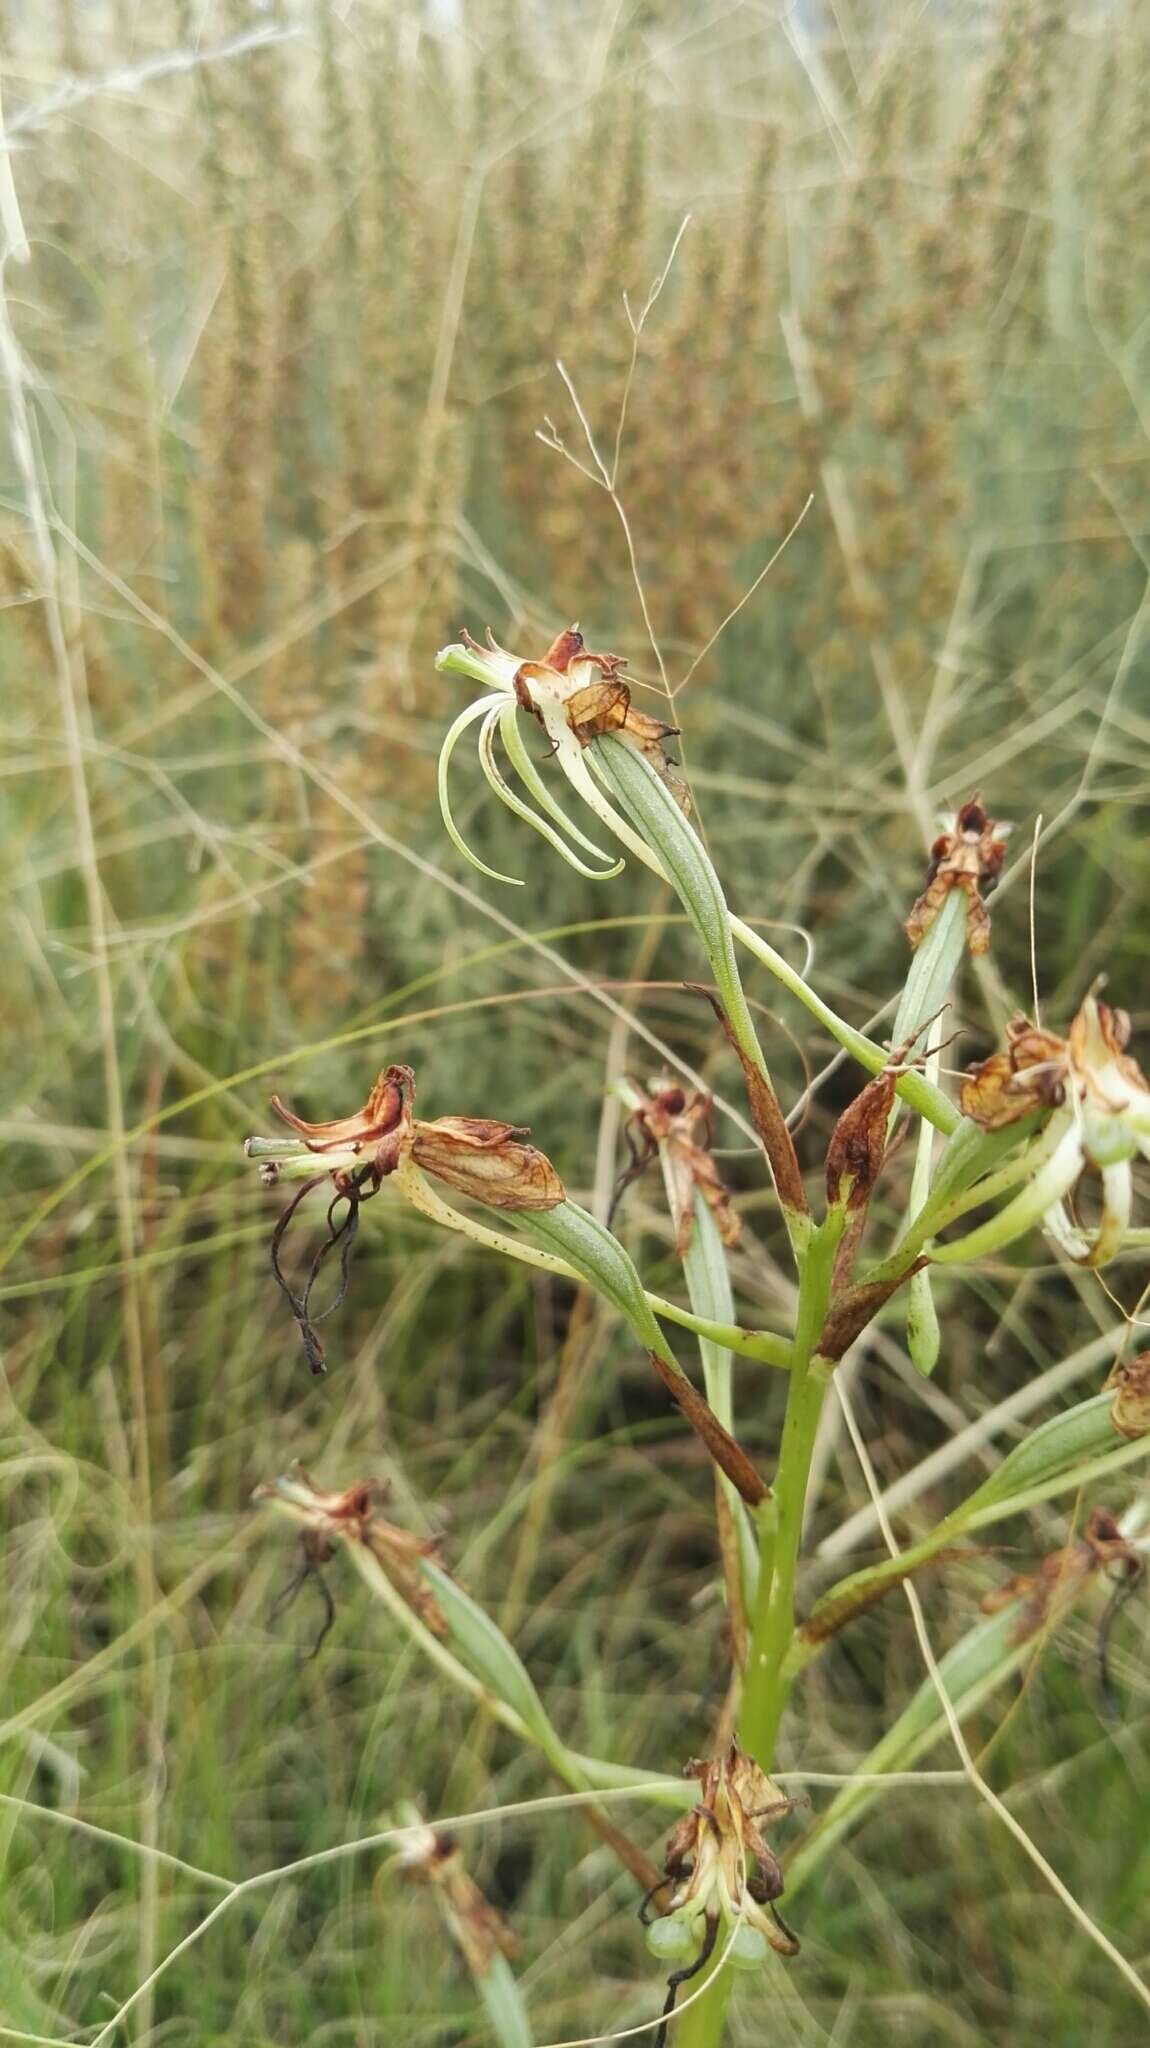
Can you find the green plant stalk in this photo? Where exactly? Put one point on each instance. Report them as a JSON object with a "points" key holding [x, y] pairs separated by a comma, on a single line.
{"points": [[773, 1624], [702, 2024], [928, 986]]}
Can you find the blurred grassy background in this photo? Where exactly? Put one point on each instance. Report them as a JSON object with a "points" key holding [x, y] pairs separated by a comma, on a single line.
{"points": [[299, 277]]}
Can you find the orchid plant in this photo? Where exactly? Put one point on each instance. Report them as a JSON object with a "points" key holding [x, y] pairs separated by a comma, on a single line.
{"points": [[1033, 1120]]}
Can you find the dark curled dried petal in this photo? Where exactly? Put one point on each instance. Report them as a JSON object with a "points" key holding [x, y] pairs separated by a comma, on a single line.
{"points": [[342, 1234], [315, 1556], [643, 1149]]}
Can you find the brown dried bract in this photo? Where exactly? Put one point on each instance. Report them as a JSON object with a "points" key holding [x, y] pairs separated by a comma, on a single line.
{"points": [[1130, 1409], [719, 1443], [858, 1142], [1055, 1586], [966, 856], [678, 1125], [767, 1116], [479, 1930]]}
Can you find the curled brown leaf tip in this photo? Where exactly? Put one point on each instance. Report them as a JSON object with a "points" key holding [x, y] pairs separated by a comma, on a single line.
{"points": [[968, 855], [432, 1857], [1130, 1408], [677, 1125]]}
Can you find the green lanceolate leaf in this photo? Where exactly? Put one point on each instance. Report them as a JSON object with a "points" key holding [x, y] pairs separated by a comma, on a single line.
{"points": [[709, 1291], [591, 1249], [1058, 1455], [1054, 1451], [486, 1651], [504, 2002]]}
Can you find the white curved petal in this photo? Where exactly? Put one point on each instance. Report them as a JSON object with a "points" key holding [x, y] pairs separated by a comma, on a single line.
{"points": [[479, 709], [533, 782], [1031, 1205], [514, 803], [1099, 1247], [569, 755]]}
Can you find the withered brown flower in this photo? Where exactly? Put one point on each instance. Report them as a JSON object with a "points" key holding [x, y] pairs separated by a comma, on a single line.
{"points": [[1099, 1101], [596, 699], [722, 1877], [1055, 1587], [479, 1157], [1130, 1408], [677, 1126], [352, 1517], [476, 1156], [433, 1857], [1029, 1074], [967, 855]]}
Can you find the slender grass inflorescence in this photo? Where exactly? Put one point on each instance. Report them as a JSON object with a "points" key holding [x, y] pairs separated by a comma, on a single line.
{"points": [[1032, 1121]]}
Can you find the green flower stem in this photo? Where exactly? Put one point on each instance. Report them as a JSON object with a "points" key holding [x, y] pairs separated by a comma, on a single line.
{"points": [[703, 2023], [915, 1090], [1050, 1183], [773, 1623], [762, 1345], [939, 1211]]}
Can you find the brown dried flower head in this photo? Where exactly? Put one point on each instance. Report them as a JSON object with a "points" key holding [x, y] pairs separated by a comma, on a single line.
{"points": [[968, 855], [480, 1932], [596, 698], [1060, 1578], [720, 1871], [477, 1156], [352, 1517], [677, 1126], [1030, 1074], [1099, 1105]]}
